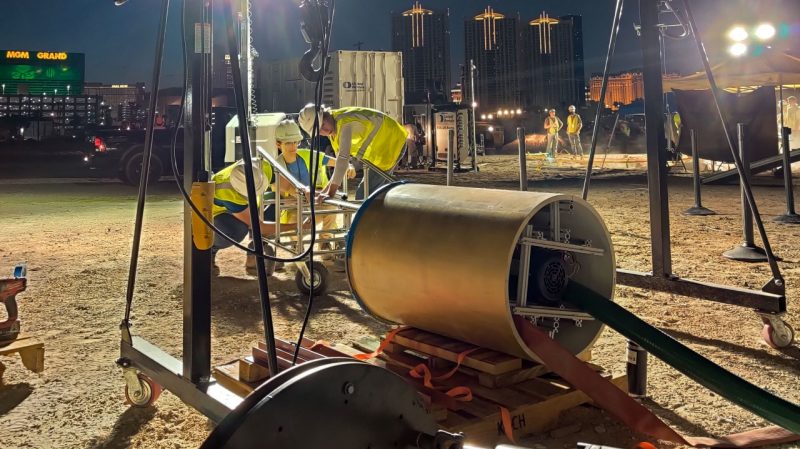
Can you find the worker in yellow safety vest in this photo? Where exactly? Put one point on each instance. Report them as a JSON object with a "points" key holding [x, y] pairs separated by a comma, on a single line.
{"points": [[552, 125], [362, 133], [574, 125], [298, 162], [231, 212]]}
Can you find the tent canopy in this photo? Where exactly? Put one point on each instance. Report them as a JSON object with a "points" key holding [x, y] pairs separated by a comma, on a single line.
{"points": [[770, 68]]}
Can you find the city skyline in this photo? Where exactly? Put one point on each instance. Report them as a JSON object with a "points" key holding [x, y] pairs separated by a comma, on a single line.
{"points": [[119, 41]]}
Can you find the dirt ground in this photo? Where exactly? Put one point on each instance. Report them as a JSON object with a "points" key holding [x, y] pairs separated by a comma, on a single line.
{"points": [[76, 238]]}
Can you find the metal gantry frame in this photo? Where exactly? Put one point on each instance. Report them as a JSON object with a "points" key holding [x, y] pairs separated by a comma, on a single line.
{"points": [[770, 302], [190, 377]]}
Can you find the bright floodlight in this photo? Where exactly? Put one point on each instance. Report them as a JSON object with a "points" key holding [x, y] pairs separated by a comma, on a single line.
{"points": [[519, 111], [491, 129], [737, 49], [765, 31], [483, 116], [737, 34], [490, 116], [474, 104]]}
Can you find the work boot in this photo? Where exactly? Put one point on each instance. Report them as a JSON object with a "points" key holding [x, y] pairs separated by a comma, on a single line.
{"points": [[269, 265]]}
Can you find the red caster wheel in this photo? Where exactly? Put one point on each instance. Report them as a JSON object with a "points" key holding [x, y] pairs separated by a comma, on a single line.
{"points": [[779, 336], [148, 394]]}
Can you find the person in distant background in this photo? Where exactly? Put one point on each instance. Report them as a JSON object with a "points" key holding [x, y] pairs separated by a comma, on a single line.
{"points": [[791, 119], [552, 125], [574, 126]]}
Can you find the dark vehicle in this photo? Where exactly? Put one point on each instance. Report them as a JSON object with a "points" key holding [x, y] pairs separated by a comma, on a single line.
{"points": [[118, 152]]}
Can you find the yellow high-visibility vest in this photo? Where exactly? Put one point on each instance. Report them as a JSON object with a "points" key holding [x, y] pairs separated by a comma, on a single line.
{"points": [[376, 137], [574, 123], [228, 200], [288, 215]]}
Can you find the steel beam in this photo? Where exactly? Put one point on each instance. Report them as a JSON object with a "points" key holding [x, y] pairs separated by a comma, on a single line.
{"points": [[754, 299]]}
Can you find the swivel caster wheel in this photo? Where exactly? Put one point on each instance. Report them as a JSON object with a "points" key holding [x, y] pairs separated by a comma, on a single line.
{"points": [[312, 276], [144, 396], [778, 334]]}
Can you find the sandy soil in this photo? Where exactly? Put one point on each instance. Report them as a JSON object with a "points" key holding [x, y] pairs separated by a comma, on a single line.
{"points": [[76, 239]]}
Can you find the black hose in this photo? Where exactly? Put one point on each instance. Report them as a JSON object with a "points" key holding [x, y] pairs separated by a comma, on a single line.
{"points": [[148, 151], [612, 43], [688, 362]]}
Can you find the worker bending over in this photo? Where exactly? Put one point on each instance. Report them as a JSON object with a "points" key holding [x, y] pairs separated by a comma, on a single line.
{"points": [[365, 134], [574, 125], [298, 162], [231, 211]]}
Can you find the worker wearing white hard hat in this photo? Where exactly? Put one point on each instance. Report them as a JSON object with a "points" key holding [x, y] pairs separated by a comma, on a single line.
{"points": [[298, 162], [362, 133], [231, 212], [574, 126]]}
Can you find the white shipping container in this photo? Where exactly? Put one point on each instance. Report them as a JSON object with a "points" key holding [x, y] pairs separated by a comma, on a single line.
{"points": [[371, 79]]}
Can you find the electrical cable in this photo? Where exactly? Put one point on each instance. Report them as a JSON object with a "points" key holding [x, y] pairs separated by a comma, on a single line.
{"points": [[148, 151], [326, 25]]}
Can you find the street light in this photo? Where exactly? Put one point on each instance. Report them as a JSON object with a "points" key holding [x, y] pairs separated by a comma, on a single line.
{"points": [[490, 129], [765, 31], [519, 111], [490, 116], [737, 34], [738, 49], [483, 116], [4, 89], [68, 88]]}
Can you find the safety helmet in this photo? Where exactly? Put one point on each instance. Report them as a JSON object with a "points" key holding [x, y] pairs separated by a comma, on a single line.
{"points": [[571, 108], [306, 118], [552, 110], [238, 180], [288, 131]]}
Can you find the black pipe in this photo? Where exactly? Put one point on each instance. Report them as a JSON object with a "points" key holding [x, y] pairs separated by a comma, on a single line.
{"points": [[751, 200], [612, 43], [698, 208], [636, 370], [148, 150], [255, 212], [790, 217]]}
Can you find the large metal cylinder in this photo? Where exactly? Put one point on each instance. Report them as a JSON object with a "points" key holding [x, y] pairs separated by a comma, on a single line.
{"points": [[447, 260]]}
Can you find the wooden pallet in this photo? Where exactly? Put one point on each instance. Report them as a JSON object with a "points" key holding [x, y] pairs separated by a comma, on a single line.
{"points": [[532, 397], [30, 350]]}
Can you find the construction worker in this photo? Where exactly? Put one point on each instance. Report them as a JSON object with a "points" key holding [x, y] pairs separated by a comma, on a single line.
{"points": [[791, 119], [365, 134], [298, 162], [552, 125], [574, 125], [231, 212]]}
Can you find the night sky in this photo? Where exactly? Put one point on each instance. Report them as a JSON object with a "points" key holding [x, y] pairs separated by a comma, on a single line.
{"points": [[119, 41]]}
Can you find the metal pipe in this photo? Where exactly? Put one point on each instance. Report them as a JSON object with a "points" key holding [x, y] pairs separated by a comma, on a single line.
{"points": [[698, 208], [474, 118], [463, 291], [790, 217], [636, 369], [612, 43], [523, 160], [747, 214], [451, 137]]}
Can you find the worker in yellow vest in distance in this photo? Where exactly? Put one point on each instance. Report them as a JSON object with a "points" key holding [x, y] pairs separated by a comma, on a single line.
{"points": [[574, 126], [362, 133], [298, 162], [552, 125], [231, 212]]}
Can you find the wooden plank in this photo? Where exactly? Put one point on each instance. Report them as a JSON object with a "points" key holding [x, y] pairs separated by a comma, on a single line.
{"points": [[228, 376], [24, 341], [251, 371], [534, 418], [512, 377], [500, 363]]}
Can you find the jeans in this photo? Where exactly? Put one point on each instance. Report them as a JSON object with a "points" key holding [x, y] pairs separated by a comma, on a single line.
{"points": [[375, 179], [232, 227], [575, 143], [552, 145]]}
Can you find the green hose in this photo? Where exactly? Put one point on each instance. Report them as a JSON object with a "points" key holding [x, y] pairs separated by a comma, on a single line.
{"points": [[726, 384]]}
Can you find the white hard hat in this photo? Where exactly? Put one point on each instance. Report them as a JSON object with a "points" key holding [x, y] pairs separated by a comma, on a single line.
{"points": [[239, 183], [571, 108], [306, 118], [288, 131]]}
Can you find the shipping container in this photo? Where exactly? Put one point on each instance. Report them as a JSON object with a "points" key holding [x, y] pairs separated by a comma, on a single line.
{"points": [[372, 79]]}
